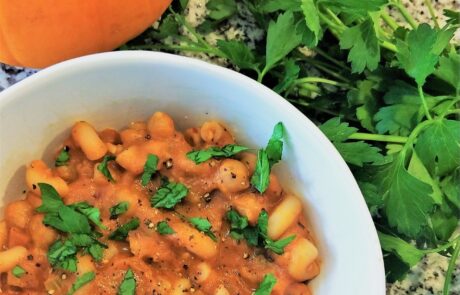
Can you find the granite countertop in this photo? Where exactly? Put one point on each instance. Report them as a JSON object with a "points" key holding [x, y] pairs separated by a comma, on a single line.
{"points": [[427, 277]]}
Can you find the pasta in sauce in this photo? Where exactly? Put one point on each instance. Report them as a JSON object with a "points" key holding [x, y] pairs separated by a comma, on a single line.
{"points": [[136, 212]]}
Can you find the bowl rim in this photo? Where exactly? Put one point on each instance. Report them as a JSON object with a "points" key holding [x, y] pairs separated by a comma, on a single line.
{"points": [[8, 95]]}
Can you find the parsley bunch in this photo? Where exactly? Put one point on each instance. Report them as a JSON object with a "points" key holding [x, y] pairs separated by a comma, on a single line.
{"points": [[385, 93]]}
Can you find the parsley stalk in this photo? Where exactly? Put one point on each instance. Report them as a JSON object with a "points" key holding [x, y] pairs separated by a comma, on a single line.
{"points": [[450, 269]]}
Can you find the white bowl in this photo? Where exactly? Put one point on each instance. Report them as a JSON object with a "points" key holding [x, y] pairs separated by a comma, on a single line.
{"points": [[112, 89]]}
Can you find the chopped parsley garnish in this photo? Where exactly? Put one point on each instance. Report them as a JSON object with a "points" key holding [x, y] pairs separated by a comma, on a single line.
{"points": [[92, 213], [118, 209], [104, 169], [169, 195], [203, 225], [63, 255], [255, 235], [163, 228], [268, 157], [18, 271], [76, 220], [150, 167], [63, 157], [121, 233], [226, 151], [81, 281], [128, 285], [266, 286]]}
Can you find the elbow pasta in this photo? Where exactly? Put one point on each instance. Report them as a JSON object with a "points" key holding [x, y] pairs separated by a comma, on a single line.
{"points": [[190, 257]]}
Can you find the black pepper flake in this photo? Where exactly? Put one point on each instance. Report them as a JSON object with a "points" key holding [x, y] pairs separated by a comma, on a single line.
{"points": [[38, 265], [148, 137], [66, 148], [233, 175], [30, 257], [34, 186], [185, 266]]}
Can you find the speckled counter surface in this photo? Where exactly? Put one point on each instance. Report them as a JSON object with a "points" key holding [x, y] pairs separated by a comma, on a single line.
{"points": [[427, 277]]}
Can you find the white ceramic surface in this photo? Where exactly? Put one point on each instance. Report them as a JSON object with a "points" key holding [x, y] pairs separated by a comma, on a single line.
{"points": [[112, 89]]}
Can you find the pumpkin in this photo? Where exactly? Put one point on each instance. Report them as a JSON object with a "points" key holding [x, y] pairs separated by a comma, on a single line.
{"points": [[38, 33]]}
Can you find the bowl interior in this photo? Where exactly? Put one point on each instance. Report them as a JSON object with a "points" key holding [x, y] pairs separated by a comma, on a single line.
{"points": [[113, 89]]}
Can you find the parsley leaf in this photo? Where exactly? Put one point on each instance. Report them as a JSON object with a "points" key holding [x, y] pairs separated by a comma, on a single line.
{"points": [[261, 177], [121, 233], [128, 285], [268, 157], [404, 110], [104, 169], [92, 213], [163, 228], [169, 195], [118, 209], [408, 253], [364, 97], [355, 7], [356, 153], [226, 151], [239, 53], [364, 45], [274, 147], [18, 271], [290, 74], [68, 220], [439, 145], [282, 38], [279, 245], [419, 53], [62, 254], [236, 220], [448, 70], [221, 9], [51, 201], [266, 286], [311, 14], [150, 167], [81, 281], [203, 225], [262, 224], [418, 170], [255, 236], [63, 157], [408, 200]]}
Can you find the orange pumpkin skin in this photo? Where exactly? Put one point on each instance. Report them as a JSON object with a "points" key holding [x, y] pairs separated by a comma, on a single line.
{"points": [[40, 33]]}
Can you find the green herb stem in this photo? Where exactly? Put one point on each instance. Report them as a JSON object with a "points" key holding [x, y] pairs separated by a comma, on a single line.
{"points": [[319, 65], [209, 50], [321, 80], [378, 137], [432, 12], [425, 105], [450, 269], [410, 20], [388, 45], [414, 134], [443, 247], [331, 59], [450, 112], [337, 20], [333, 27], [308, 86], [389, 20]]}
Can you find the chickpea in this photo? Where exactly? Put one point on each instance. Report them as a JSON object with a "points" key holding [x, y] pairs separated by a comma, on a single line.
{"points": [[233, 176]]}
